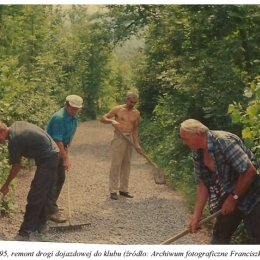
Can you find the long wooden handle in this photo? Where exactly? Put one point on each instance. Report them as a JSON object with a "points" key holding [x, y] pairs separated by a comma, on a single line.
{"points": [[145, 156], [68, 190], [187, 231]]}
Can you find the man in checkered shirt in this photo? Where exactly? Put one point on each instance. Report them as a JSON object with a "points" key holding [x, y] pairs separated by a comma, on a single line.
{"points": [[227, 176]]}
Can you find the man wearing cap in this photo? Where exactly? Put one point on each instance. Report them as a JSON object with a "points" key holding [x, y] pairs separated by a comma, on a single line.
{"points": [[62, 127]]}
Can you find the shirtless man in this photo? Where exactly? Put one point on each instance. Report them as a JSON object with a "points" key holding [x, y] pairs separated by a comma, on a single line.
{"points": [[124, 119], [226, 175]]}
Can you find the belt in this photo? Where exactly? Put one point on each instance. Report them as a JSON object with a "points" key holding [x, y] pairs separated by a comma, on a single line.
{"points": [[125, 134]]}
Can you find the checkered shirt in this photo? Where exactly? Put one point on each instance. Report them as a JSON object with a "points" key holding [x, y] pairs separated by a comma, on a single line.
{"points": [[231, 157]]}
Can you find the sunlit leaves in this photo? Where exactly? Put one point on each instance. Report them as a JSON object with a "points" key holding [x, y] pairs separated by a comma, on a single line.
{"points": [[248, 92], [249, 115], [246, 133]]}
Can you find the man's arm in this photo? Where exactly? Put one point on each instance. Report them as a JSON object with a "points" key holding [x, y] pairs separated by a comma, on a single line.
{"points": [[63, 154], [107, 118], [56, 132], [201, 199], [69, 144], [13, 172], [244, 182]]}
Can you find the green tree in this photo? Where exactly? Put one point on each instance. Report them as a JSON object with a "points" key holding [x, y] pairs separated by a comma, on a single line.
{"points": [[92, 56]]}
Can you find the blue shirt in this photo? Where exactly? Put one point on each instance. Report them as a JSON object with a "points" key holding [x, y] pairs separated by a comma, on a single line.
{"points": [[231, 158], [61, 126]]}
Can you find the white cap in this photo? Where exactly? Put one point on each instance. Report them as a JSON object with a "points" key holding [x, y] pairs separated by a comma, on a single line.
{"points": [[75, 101]]}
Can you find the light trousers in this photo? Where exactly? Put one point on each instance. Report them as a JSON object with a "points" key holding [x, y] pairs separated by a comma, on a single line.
{"points": [[121, 153]]}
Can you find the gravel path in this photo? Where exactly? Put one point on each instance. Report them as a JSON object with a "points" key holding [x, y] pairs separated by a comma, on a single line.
{"points": [[155, 214]]}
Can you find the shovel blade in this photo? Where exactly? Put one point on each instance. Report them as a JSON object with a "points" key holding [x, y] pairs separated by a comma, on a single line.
{"points": [[158, 175]]}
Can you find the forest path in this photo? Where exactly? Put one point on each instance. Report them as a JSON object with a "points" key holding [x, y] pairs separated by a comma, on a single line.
{"points": [[155, 214]]}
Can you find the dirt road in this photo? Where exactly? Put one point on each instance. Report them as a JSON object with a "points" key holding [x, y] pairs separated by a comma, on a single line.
{"points": [[155, 214]]}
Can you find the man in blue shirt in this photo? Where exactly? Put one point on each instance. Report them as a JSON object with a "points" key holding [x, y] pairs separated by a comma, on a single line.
{"points": [[62, 127], [227, 176]]}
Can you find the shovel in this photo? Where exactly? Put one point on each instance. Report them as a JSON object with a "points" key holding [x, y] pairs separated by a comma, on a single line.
{"points": [[157, 172], [187, 231]]}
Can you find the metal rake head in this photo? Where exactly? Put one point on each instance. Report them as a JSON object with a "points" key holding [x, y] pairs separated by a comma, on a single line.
{"points": [[69, 228]]}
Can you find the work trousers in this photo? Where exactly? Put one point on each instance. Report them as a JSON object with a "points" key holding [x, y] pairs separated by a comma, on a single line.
{"points": [[121, 153], [59, 180], [226, 225], [35, 213]]}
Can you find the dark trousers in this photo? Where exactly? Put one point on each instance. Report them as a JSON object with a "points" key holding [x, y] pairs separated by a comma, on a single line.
{"points": [[35, 213], [59, 180], [226, 225]]}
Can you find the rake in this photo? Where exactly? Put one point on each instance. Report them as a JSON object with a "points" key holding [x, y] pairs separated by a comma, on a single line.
{"points": [[187, 231], [69, 227]]}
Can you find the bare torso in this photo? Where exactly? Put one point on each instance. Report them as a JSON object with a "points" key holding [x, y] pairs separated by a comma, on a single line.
{"points": [[127, 119]]}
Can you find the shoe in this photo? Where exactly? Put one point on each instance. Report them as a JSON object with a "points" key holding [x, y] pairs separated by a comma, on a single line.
{"points": [[21, 238], [125, 194], [56, 217], [114, 196], [43, 229]]}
